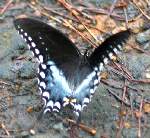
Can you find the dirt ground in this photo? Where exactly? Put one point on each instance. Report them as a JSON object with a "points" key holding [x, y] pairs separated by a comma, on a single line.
{"points": [[120, 107]]}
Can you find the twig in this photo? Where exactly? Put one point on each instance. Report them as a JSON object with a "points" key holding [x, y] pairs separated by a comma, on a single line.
{"points": [[70, 18], [92, 131], [66, 24], [141, 81], [6, 6], [139, 118], [126, 17], [4, 127], [75, 13], [102, 11], [112, 7], [122, 104], [118, 98], [124, 72], [138, 48], [144, 14], [83, 36], [112, 85], [124, 92]]}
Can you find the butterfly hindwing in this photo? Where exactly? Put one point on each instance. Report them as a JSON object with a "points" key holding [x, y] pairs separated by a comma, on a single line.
{"points": [[85, 91]]}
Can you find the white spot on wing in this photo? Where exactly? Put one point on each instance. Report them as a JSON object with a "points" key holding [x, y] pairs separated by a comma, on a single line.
{"points": [[86, 100], [96, 69], [120, 47], [22, 36], [101, 66], [42, 84], [40, 37], [92, 91], [116, 51], [96, 82], [110, 55], [29, 38], [105, 60], [57, 104], [42, 74], [46, 110], [50, 103], [41, 58], [46, 94], [37, 51], [42, 43], [33, 44], [25, 34], [43, 66], [78, 107]]}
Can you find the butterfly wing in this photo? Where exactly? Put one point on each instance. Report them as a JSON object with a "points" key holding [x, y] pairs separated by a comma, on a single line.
{"points": [[111, 46], [57, 56], [101, 55]]}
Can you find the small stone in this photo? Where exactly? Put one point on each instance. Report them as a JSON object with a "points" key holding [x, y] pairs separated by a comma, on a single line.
{"points": [[32, 131], [147, 75], [143, 37]]}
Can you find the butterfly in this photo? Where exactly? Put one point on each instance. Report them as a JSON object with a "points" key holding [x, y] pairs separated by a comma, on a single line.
{"points": [[65, 76]]}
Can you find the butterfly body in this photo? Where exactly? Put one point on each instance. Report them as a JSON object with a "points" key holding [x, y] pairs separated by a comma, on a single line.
{"points": [[65, 76]]}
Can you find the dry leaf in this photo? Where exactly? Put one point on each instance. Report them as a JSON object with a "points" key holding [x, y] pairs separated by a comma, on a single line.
{"points": [[104, 75], [123, 113], [146, 108], [30, 109], [127, 125], [138, 114]]}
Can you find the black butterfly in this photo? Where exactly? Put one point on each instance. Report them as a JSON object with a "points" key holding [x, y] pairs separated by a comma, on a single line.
{"points": [[64, 75]]}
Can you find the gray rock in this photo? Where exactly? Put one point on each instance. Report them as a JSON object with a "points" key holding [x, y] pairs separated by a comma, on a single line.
{"points": [[137, 64], [143, 37]]}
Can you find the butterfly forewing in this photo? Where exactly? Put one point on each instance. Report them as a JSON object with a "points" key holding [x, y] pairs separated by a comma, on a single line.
{"points": [[111, 46], [50, 42]]}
